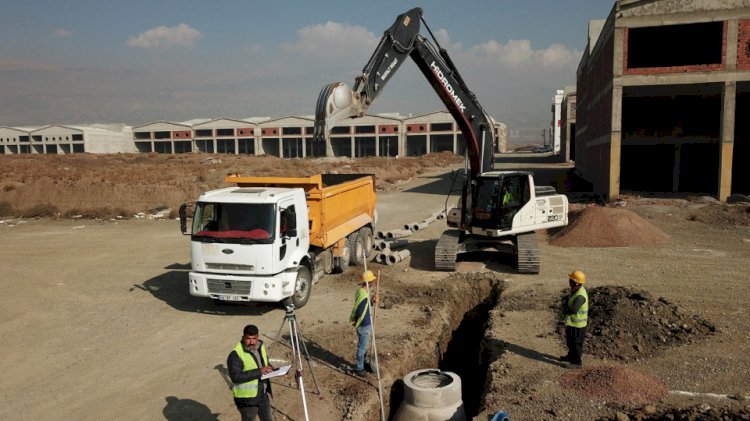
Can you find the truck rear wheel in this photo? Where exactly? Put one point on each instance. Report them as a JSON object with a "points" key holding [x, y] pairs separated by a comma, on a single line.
{"points": [[302, 289], [368, 241], [341, 264], [357, 247]]}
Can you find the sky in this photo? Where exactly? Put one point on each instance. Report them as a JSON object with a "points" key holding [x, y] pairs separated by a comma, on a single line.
{"points": [[134, 62]]}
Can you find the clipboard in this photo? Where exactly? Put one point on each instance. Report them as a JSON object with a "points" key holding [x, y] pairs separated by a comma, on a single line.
{"points": [[279, 371]]}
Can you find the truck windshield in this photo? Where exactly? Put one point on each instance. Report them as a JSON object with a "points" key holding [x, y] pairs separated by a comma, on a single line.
{"points": [[234, 222]]}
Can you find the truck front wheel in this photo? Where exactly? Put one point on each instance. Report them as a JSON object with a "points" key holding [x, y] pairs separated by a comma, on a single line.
{"points": [[302, 289]]}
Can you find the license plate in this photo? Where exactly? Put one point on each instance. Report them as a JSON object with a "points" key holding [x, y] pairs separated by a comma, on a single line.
{"points": [[228, 298]]}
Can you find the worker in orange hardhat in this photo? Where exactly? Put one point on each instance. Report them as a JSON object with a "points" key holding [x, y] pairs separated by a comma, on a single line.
{"points": [[576, 312], [360, 318]]}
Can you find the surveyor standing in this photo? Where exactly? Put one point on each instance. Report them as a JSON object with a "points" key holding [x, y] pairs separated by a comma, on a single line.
{"points": [[360, 319], [247, 362], [575, 310]]}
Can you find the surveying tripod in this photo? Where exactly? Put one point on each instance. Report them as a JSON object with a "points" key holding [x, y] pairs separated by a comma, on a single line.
{"points": [[290, 317]]}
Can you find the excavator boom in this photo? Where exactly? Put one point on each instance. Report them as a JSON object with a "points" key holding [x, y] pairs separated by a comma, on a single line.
{"points": [[337, 102]]}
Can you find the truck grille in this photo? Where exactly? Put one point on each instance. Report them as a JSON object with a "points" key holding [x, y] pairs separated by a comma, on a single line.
{"points": [[228, 266], [225, 286]]}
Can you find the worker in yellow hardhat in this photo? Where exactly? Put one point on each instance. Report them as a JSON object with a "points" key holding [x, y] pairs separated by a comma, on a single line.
{"points": [[576, 313], [360, 319]]}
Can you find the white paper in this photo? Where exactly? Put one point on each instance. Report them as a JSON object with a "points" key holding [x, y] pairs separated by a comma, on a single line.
{"points": [[279, 371]]}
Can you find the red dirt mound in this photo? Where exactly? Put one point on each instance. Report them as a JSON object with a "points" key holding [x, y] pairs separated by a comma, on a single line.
{"points": [[597, 226], [614, 384]]}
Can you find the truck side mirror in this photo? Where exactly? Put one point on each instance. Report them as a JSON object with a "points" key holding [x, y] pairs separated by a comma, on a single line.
{"points": [[291, 223], [183, 219]]}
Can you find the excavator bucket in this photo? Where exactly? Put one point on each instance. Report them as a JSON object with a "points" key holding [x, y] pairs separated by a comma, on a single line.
{"points": [[335, 103]]}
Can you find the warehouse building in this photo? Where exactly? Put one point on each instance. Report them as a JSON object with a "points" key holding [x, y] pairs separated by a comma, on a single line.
{"points": [[65, 139], [389, 135], [660, 90]]}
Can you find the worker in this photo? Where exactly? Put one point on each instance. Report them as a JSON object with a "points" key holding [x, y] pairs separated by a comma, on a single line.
{"points": [[575, 311], [247, 362], [506, 195], [360, 319]]}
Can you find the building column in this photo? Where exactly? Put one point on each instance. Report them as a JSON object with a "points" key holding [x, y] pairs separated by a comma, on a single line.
{"points": [[615, 153], [728, 108], [427, 143], [676, 168], [377, 145], [329, 145]]}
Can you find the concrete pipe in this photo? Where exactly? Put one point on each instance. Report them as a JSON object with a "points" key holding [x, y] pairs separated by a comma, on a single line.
{"points": [[392, 235], [431, 395], [430, 219], [381, 245], [394, 245], [440, 215], [382, 235], [409, 225], [419, 226], [397, 256], [382, 258]]}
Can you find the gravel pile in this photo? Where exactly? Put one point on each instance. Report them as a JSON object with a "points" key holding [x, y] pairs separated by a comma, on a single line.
{"points": [[611, 383], [627, 323], [597, 226]]}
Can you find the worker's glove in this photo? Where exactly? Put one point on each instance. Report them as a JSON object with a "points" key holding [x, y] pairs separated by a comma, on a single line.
{"points": [[375, 299]]}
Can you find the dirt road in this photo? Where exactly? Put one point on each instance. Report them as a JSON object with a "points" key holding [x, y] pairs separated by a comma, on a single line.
{"points": [[97, 322]]}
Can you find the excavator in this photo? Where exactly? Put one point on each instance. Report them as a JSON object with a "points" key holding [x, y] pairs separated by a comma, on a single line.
{"points": [[497, 209]]}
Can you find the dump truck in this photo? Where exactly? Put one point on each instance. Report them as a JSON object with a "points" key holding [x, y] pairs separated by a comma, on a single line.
{"points": [[271, 238]]}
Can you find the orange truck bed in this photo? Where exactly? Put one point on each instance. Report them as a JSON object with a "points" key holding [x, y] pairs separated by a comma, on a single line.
{"points": [[338, 204]]}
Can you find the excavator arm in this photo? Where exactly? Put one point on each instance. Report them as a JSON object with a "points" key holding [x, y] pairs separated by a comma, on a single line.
{"points": [[337, 102]]}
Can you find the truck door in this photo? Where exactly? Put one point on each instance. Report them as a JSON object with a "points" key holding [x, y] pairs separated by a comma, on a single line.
{"points": [[287, 240]]}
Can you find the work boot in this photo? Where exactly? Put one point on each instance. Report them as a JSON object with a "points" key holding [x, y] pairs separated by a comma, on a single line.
{"points": [[564, 358], [368, 368], [360, 373]]}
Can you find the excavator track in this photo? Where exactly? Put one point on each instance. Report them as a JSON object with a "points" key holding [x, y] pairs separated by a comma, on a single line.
{"points": [[446, 250], [527, 253]]}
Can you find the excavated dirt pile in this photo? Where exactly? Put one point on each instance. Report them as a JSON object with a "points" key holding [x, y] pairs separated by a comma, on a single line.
{"points": [[597, 226], [611, 383], [626, 323], [698, 412]]}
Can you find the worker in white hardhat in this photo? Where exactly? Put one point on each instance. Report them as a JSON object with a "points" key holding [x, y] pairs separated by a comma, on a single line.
{"points": [[576, 315], [360, 319]]}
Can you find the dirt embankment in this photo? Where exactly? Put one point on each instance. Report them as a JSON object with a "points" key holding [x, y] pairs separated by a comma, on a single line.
{"points": [[121, 185]]}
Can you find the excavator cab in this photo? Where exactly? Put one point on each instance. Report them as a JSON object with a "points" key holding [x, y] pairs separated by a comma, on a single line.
{"points": [[498, 197]]}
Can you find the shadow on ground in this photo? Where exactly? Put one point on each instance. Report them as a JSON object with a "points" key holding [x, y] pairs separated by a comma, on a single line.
{"points": [[503, 346], [187, 409], [423, 258], [172, 288], [441, 184]]}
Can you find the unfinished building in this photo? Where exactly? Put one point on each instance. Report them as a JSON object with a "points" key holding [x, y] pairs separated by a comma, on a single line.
{"points": [[660, 89]]}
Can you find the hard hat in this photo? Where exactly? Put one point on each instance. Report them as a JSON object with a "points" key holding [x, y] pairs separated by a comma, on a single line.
{"points": [[368, 276], [578, 277]]}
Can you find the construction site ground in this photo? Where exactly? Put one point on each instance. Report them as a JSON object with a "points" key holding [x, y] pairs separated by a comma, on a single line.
{"points": [[97, 321]]}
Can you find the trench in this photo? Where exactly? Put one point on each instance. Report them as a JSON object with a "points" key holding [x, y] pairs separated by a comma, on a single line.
{"points": [[462, 352], [465, 354]]}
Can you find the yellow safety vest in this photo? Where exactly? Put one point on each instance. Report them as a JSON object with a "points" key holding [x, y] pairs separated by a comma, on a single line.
{"points": [[579, 319], [360, 295], [248, 389]]}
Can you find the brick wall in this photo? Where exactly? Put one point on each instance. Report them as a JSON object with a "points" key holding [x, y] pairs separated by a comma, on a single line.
{"points": [[743, 44], [676, 69]]}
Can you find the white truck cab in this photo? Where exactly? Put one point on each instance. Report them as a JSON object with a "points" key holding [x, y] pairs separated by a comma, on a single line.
{"points": [[247, 243]]}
